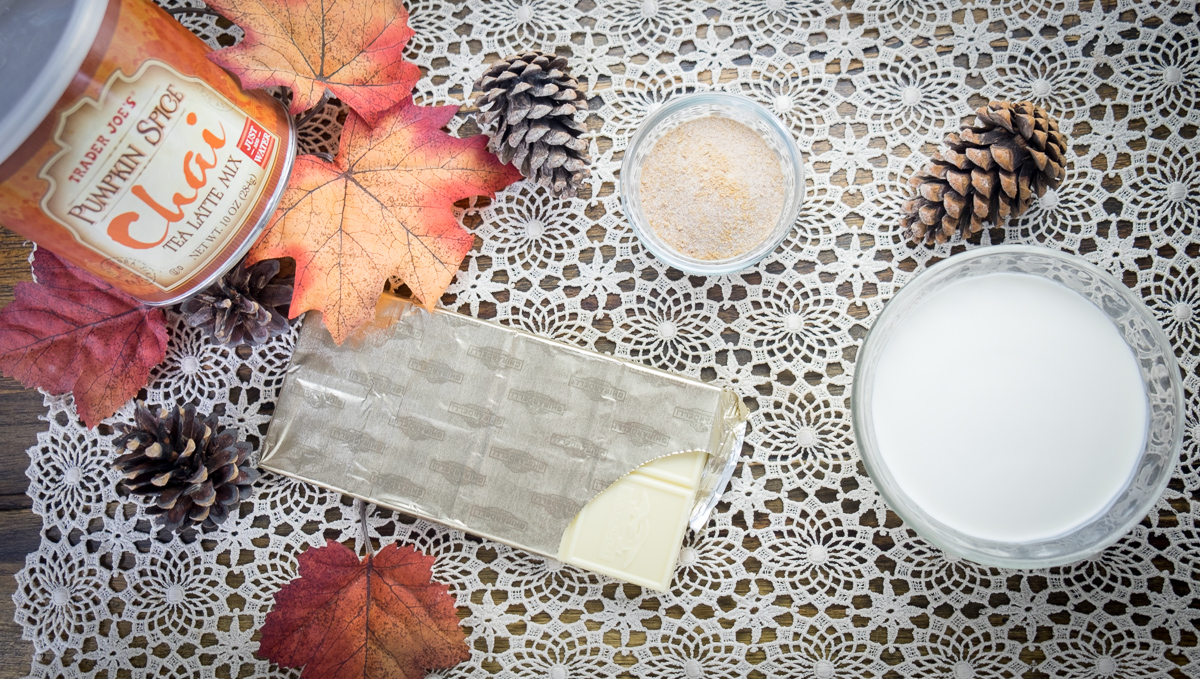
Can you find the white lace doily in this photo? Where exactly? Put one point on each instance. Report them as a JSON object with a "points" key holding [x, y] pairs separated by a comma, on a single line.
{"points": [[802, 572]]}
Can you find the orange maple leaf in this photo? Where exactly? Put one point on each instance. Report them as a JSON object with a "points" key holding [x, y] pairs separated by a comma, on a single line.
{"points": [[381, 617], [381, 209], [353, 47]]}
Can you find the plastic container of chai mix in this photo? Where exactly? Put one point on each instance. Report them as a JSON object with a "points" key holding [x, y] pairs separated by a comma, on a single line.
{"points": [[126, 151]]}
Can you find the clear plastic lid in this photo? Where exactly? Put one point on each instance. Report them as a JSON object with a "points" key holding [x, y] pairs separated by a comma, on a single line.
{"points": [[42, 45]]}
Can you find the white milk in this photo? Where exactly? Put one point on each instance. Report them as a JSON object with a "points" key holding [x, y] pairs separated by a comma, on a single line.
{"points": [[1009, 408]]}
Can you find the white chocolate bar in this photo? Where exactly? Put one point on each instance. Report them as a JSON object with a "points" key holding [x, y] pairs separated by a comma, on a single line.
{"points": [[509, 436]]}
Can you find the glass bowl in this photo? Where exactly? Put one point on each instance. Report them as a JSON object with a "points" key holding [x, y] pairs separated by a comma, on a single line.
{"points": [[684, 108], [1160, 377]]}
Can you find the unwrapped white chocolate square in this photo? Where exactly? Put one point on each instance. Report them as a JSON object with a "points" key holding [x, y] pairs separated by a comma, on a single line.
{"points": [[633, 530]]}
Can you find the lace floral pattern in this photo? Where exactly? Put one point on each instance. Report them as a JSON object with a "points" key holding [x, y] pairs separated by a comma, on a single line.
{"points": [[802, 571]]}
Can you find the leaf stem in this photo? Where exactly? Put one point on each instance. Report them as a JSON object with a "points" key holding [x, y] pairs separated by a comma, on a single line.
{"points": [[175, 11], [362, 525], [314, 111]]}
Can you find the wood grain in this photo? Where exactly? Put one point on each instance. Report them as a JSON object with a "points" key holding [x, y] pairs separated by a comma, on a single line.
{"points": [[20, 410], [19, 535]]}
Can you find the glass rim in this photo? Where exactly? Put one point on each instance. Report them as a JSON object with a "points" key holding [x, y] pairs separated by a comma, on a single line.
{"points": [[636, 217], [937, 533]]}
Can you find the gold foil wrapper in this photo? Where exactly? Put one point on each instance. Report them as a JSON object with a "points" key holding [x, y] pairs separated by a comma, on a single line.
{"points": [[484, 428]]}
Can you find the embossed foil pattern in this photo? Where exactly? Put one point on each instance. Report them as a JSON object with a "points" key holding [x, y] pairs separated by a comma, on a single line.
{"points": [[481, 427], [801, 571]]}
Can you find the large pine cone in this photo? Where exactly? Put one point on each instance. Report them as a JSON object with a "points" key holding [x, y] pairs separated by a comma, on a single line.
{"points": [[990, 172], [528, 111], [245, 306], [188, 470]]}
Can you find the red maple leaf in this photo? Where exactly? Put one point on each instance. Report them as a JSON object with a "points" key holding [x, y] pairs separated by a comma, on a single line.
{"points": [[69, 332], [352, 47], [381, 616], [382, 208]]}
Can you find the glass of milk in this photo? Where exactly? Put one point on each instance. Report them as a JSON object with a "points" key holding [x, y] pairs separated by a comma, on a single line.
{"points": [[1018, 407]]}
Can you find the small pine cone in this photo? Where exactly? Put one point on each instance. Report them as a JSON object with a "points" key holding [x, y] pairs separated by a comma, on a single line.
{"points": [[245, 306], [988, 173], [528, 111], [191, 472]]}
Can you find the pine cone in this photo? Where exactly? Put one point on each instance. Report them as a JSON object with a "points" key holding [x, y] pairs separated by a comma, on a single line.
{"points": [[246, 306], [989, 172], [192, 472], [528, 110]]}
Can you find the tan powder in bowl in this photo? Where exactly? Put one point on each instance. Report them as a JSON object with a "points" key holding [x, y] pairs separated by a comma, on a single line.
{"points": [[712, 189]]}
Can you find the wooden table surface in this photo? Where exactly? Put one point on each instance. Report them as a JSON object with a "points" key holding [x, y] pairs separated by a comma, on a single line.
{"points": [[19, 425]]}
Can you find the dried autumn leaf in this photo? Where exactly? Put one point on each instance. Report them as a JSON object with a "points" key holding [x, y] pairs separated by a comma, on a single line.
{"points": [[378, 617], [69, 332], [353, 47], [382, 208]]}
